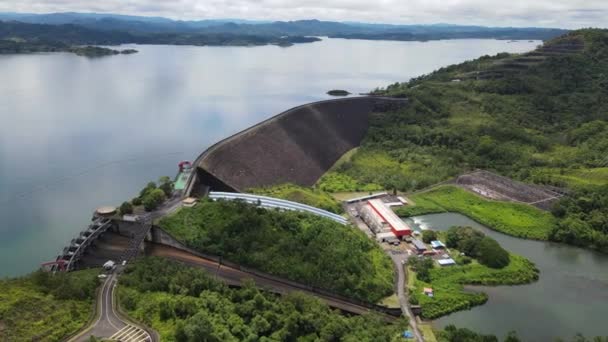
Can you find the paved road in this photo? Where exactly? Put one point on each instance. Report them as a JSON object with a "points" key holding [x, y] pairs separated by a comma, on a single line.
{"points": [[399, 260], [233, 276], [108, 323]]}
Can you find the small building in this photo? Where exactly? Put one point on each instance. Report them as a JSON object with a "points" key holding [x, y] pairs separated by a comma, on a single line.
{"points": [[428, 292], [429, 253], [386, 237], [419, 246], [446, 262], [437, 245], [189, 202]]}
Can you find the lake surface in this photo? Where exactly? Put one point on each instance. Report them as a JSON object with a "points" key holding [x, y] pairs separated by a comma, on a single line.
{"points": [[570, 297], [78, 133]]}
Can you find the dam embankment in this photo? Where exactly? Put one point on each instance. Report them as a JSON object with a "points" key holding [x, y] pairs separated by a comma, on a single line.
{"points": [[297, 146]]}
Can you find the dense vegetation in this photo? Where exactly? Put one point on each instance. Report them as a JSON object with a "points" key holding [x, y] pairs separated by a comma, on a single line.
{"points": [[538, 117], [515, 219], [474, 243], [295, 193], [298, 246], [47, 307], [584, 218], [96, 51], [447, 282], [185, 304]]}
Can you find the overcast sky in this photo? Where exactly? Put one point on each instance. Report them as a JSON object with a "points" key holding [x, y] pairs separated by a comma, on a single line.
{"points": [[547, 13]]}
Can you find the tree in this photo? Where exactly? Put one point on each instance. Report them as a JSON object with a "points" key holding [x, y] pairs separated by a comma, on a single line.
{"points": [[422, 267], [149, 187], [136, 201], [428, 236], [153, 199], [491, 254], [166, 185], [126, 208]]}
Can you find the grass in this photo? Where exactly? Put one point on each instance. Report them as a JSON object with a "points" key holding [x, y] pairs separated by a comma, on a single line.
{"points": [[28, 312], [308, 196], [574, 178], [448, 285], [520, 220], [427, 331], [391, 302]]}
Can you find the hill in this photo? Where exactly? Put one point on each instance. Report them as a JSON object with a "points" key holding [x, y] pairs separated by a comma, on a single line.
{"points": [[18, 37], [353, 30], [297, 246], [535, 117]]}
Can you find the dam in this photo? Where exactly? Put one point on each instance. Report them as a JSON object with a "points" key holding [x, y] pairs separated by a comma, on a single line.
{"points": [[297, 146]]}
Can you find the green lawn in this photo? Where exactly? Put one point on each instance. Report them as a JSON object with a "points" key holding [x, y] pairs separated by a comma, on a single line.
{"points": [[515, 219], [308, 196]]}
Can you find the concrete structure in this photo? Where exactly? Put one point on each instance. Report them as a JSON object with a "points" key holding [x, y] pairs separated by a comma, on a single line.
{"points": [[365, 198], [106, 211], [189, 202], [275, 203], [386, 237], [297, 146], [395, 223]]}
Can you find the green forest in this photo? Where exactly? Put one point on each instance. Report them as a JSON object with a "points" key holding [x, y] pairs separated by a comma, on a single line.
{"points": [[298, 246], [539, 118], [184, 304], [46, 307]]}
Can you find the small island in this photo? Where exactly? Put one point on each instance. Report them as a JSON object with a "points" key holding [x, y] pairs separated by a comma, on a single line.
{"points": [[338, 92], [96, 51]]}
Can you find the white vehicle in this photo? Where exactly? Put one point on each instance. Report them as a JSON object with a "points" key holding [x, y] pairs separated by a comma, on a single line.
{"points": [[102, 276], [109, 265]]}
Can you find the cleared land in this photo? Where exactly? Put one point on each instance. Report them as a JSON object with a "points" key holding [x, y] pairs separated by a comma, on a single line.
{"points": [[520, 220]]}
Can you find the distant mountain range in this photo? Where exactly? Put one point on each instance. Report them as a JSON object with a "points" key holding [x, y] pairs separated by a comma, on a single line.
{"points": [[154, 25]]}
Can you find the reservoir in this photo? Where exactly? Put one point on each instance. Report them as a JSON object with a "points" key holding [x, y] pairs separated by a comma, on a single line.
{"points": [[569, 298], [78, 133]]}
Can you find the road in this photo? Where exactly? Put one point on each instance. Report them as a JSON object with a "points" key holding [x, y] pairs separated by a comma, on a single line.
{"points": [[233, 276], [399, 260], [108, 323]]}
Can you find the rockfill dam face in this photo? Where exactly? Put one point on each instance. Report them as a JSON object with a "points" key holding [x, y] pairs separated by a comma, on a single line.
{"points": [[297, 146]]}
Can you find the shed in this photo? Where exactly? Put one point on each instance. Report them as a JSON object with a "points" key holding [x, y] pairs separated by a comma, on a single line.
{"points": [[437, 245], [428, 291], [419, 245], [388, 237], [446, 262]]}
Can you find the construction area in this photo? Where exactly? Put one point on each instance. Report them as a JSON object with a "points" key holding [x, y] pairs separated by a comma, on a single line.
{"points": [[495, 187]]}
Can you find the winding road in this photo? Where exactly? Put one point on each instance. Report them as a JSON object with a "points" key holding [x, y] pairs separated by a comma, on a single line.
{"points": [[108, 323]]}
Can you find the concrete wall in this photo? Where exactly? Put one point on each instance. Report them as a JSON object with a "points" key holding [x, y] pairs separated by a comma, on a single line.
{"points": [[297, 146]]}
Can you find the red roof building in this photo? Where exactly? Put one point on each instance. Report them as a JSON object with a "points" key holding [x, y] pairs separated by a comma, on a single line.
{"points": [[396, 224]]}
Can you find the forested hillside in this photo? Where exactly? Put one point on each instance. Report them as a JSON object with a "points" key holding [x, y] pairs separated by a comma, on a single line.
{"points": [[301, 247], [539, 117], [185, 304]]}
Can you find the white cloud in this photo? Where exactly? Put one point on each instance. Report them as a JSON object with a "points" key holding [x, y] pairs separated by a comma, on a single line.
{"points": [[548, 13]]}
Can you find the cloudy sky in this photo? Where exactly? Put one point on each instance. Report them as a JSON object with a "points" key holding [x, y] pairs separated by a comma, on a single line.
{"points": [[547, 13]]}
